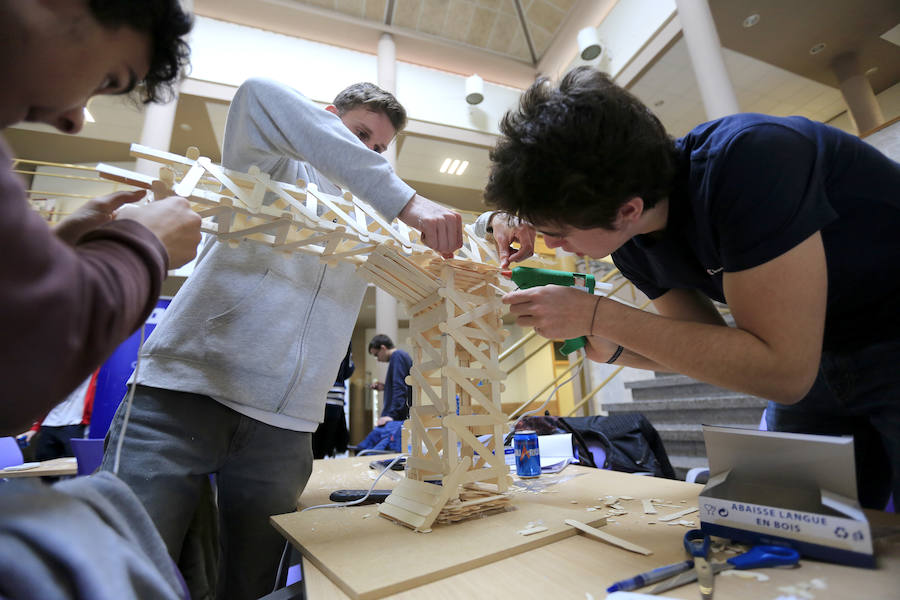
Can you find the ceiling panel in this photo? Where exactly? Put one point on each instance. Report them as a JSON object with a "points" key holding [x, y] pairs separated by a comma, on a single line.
{"points": [[670, 89], [787, 29]]}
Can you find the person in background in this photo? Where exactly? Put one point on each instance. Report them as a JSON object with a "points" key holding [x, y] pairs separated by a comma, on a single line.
{"points": [[69, 296], [331, 437], [397, 396], [68, 419]]}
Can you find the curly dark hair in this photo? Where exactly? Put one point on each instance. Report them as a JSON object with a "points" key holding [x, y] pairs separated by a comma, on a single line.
{"points": [[573, 155], [167, 24], [373, 98]]}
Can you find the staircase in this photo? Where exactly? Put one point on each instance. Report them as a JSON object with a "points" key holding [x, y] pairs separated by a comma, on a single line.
{"points": [[677, 405]]}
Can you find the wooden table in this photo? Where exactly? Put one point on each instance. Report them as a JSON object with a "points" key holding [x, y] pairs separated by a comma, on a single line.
{"points": [[53, 467], [578, 565]]}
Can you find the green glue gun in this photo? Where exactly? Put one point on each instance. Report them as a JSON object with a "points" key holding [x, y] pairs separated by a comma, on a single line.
{"points": [[528, 277]]}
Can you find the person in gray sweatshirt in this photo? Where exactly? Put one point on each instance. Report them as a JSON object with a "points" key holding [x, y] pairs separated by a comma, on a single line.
{"points": [[233, 381]]}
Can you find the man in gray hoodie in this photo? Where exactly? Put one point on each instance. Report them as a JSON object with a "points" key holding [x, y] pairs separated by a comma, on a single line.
{"points": [[233, 381]]}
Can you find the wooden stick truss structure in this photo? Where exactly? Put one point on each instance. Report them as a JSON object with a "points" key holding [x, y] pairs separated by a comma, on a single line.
{"points": [[455, 316]]}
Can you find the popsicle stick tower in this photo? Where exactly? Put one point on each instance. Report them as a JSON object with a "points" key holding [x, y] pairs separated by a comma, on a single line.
{"points": [[455, 328]]}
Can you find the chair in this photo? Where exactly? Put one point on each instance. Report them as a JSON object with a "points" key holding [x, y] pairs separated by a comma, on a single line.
{"points": [[88, 453], [10, 453]]}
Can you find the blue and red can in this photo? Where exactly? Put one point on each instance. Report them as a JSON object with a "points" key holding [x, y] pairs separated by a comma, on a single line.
{"points": [[528, 454]]}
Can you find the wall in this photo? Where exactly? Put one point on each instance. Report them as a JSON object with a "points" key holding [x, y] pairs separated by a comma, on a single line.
{"points": [[625, 30], [228, 53]]}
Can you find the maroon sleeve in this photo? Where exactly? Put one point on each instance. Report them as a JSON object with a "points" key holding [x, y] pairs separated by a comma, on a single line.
{"points": [[63, 310]]}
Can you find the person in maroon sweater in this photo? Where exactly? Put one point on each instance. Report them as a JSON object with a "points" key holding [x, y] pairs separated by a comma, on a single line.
{"points": [[70, 295]]}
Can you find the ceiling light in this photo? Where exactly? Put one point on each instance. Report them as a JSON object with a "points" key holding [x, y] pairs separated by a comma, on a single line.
{"points": [[817, 48], [872, 71], [88, 116], [454, 166], [751, 21], [474, 89], [185, 127], [589, 46]]}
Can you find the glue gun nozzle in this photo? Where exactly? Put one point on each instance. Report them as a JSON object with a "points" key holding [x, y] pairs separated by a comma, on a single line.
{"points": [[506, 273]]}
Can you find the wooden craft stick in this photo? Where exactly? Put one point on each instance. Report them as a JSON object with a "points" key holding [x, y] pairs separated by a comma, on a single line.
{"points": [[649, 509], [679, 514], [606, 537]]}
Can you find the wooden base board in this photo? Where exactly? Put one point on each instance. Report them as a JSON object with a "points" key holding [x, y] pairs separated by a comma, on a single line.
{"points": [[388, 558]]}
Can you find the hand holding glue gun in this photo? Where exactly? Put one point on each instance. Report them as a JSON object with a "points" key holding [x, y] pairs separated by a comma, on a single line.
{"points": [[524, 303]]}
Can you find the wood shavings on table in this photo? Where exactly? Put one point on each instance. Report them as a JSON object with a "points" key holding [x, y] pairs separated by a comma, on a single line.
{"points": [[532, 530], [649, 509], [608, 538], [679, 514], [746, 574], [804, 589]]}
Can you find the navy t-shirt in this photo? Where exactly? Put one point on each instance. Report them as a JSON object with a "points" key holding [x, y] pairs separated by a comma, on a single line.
{"points": [[750, 187], [397, 393]]}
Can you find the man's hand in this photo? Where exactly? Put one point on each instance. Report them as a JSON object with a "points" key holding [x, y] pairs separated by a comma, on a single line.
{"points": [[556, 312], [27, 435], [383, 420], [92, 214], [440, 228], [377, 386], [173, 222], [508, 229]]}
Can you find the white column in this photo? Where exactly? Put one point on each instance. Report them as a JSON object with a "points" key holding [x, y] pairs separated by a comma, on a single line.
{"points": [[703, 44], [385, 304], [159, 119], [857, 92]]}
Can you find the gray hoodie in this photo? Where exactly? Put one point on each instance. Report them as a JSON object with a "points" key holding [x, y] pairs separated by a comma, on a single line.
{"points": [[259, 330]]}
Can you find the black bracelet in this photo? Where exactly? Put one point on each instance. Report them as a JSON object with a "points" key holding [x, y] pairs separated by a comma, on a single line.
{"points": [[615, 355]]}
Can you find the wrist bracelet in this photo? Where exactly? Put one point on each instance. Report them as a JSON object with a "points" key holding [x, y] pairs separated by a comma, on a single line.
{"points": [[615, 355], [594, 316]]}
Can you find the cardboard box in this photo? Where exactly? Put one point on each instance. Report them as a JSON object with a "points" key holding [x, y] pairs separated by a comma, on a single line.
{"points": [[785, 489]]}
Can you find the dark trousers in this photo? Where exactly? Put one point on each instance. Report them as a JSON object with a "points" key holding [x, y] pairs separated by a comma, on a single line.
{"points": [[331, 437], [56, 442], [855, 394]]}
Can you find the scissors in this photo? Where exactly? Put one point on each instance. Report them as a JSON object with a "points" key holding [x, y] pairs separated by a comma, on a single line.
{"points": [[757, 557]]}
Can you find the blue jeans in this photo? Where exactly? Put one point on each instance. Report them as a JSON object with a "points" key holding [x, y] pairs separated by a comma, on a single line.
{"points": [[855, 394], [173, 442]]}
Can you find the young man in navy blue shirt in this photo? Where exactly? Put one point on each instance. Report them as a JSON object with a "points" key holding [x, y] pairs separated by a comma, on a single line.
{"points": [[397, 394], [790, 222]]}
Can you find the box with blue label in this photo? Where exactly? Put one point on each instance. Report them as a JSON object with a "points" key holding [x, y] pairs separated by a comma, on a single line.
{"points": [[786, 489]]}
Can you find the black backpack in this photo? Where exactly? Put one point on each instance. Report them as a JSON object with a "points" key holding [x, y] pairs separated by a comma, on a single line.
{"points": [[631, 443]]}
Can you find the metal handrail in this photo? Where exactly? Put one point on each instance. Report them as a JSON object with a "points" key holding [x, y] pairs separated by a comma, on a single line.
{"points": [[518, 344], [44, 163], [584, 400], [61, 176], [514, 414], [532, 353]]}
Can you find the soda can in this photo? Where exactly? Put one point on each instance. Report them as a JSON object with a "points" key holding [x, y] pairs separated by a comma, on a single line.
{"points": [[528, 455]]}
